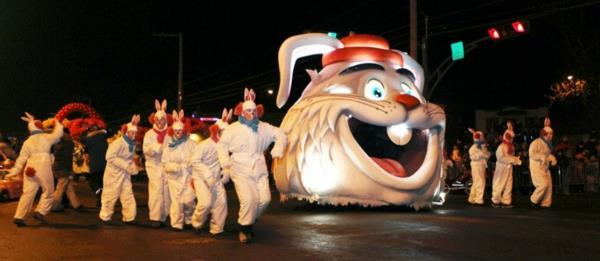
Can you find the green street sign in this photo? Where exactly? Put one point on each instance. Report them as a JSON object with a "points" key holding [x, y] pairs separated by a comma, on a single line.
{"points": [[458, 51]]}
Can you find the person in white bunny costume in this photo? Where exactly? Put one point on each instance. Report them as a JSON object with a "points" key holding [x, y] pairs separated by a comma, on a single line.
{"points": [[479, 154], [540, 159], [35, 161], [158, 190], [117, 175], [177, 150], [208, 180], [502, 182], [246, 140]]}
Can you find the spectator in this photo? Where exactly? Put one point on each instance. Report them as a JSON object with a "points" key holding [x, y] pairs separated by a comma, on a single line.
{"points": [[562, 151], [94, 140], [591, 174]]}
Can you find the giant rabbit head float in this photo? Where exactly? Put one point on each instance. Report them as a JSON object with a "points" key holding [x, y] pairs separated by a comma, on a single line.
{"points": [[362, 132]]}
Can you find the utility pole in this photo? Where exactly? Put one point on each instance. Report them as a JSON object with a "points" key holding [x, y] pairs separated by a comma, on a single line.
{"points": [[413, 30], [180, 72]]}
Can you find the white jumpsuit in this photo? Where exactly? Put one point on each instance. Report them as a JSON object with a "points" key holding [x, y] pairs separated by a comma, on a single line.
{"points": [[117, 181], [479, 157], [177, 165], [539, 153], [248, 167], [502, 182], [210, 192], [159, 200], [35, 154]]}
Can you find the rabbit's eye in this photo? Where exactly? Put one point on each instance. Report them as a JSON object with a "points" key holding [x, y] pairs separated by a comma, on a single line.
{"points": [[375, 90]]}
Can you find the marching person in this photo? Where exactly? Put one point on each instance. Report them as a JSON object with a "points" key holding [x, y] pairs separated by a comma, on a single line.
{"points": [[176, 152], [503, 174], [246, 140], [479, 154], [94, 139], [117, 176], [35, 161], [540, 159], [158, 189], [63, 171], [208, 181]]}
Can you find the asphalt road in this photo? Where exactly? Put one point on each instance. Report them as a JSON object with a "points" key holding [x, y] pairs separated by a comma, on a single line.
{"points": [[295, 230]]}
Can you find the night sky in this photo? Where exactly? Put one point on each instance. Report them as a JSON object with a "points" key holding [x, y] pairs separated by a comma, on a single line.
{"points": [[104, 52]]}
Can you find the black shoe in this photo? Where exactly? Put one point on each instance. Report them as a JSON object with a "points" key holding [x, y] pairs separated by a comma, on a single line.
{"points": [[217, 234], [507, 206], [198, 231], [19, 222], [80, 208], [39, 217], [60, 208], [156, 224], [106, 222], [130, 223], [536, 206], [188, 226], [494, 205]]}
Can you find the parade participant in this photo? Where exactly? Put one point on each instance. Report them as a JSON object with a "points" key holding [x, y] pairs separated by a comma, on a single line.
{"points": [[246, 140], [158, 190], [63, 171], [479, 154], [540, 158], [94, 139], [176, 152], [208, 181], [117, 176], [503, 174], [35, 161]]}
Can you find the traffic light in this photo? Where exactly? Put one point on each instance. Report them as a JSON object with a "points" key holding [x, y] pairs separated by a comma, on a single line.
{"points": [[510, 30]]}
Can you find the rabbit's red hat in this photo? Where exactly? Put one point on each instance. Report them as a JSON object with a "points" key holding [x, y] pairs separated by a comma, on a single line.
{"points": [[221, 124], [32, 123], [160, 113], [509, 134], [363, 47], [547, 129], [180, 123], [132, 125], [248, 103], [477, 135]]}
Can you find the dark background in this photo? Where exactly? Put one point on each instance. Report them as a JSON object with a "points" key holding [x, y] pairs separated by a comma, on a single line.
{"points": [[104, 53]]}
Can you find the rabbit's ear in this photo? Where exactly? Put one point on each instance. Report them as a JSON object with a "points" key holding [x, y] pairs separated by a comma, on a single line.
{"points": [[29, 116], [224, 115], [164, 105], [136, 119], [471, 130], [25, 119], [252, 95], [181, 115], [230, 115], [175, 116], [157, 105], [246, 94]]}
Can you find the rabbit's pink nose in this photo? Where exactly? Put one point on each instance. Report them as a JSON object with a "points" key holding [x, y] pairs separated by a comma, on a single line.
{"points": [[409, 101]]}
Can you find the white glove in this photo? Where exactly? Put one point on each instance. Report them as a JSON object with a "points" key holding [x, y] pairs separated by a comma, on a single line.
{"points": [[132, 169], [275, 153], [171, 167], [551, 159], [517, 161]]}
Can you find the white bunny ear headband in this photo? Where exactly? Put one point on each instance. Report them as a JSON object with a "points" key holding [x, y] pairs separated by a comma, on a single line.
{"points": [[249, 97], [178, 120], [161, 109], [132, 125], [225, 118], [31, 122]]}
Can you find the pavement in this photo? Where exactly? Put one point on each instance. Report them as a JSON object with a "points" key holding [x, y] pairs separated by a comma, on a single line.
{"points": [[297, 230]]}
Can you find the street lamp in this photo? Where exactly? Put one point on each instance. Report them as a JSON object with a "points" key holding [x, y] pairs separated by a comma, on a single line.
{"points": [[180, 73]]}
